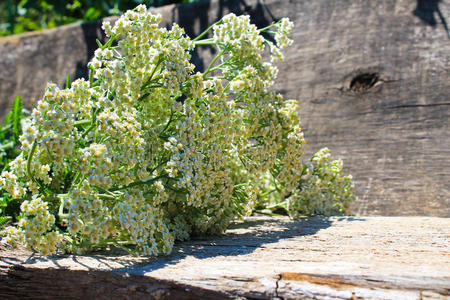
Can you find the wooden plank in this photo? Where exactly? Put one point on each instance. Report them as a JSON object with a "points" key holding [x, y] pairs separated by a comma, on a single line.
{"points": [[262, 258], [393, 133]]}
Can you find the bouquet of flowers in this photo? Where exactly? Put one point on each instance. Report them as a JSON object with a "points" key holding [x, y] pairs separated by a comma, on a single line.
{"points": [[147, 151]]}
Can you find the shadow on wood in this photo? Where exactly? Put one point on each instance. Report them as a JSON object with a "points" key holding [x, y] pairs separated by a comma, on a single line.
{"points": [[264, 258]]}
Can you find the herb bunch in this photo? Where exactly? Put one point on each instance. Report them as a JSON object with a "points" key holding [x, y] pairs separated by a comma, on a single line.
{"points": [[147, 151]]}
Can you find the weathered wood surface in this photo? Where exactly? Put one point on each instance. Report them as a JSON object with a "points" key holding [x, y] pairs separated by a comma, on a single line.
{"points": [[372, 77], [394, 137], [262, 258]]}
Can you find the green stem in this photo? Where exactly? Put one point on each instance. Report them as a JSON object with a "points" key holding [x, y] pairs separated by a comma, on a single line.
{"points": [[274, 180], [7, 146], [268, 27], [155, 86], [89, 129], [93, 121], [99, 43], [124, 248], [219, 66], [82, 123], [160, 60], [262, 212], [68, 238], [68, 81], [81, 180], [242, 161], [142, 97], [159, 165], [6, 128], [305, 167], [205, 42], [110, 41], [167, 125], [175, 189], [107, 197], [91, 76], [105, 139], [236, 186], [206, 31], [278, 205], [77, 176], [61, 213], [133, 184], [213, 62], [30, 157], [268, 193]]}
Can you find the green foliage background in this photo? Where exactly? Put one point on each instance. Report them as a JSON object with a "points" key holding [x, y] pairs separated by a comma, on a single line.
{"points": [[9, 141], [18, 16]]}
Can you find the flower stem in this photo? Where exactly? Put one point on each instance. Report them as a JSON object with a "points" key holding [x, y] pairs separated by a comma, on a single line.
{"points": [[91, 76], [93, 121], [213, 62], [61, 213], [278, 205], [110, 41], [82, 123], [7, 146], [205, 42], [160, 60], [167, 125], [268, 193], [6, 128], [268, 27], [133, 184], [219, 66], [30, 157], [206, 31]]}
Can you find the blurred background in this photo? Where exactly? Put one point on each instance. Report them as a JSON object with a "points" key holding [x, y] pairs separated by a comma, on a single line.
{"points": [[18, 16]]}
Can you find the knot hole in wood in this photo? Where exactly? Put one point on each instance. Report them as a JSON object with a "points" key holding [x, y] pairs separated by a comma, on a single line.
{"points": [[364, 81]]}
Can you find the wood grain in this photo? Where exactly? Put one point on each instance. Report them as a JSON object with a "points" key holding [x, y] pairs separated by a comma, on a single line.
{"points": [[261, 258]]}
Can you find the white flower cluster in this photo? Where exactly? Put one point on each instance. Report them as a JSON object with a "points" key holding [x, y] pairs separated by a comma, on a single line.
{"points": [[34, 228], [324, 190], [236, 35], [146, 152]]}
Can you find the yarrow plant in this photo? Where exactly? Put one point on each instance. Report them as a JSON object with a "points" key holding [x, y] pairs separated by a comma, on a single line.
{"points": [[147, 151]]}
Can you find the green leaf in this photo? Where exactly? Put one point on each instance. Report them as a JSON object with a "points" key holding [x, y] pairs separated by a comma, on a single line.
{"points": [[99, 43], [16, 117], [3, 202], [92, 14], [2, 135], [4, 220], [68, 81], [8, 119]]}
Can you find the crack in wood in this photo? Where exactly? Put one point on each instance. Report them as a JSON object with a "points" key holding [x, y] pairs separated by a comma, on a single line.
{"points": [[418, 105], [277, 282], [401, 106]]}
